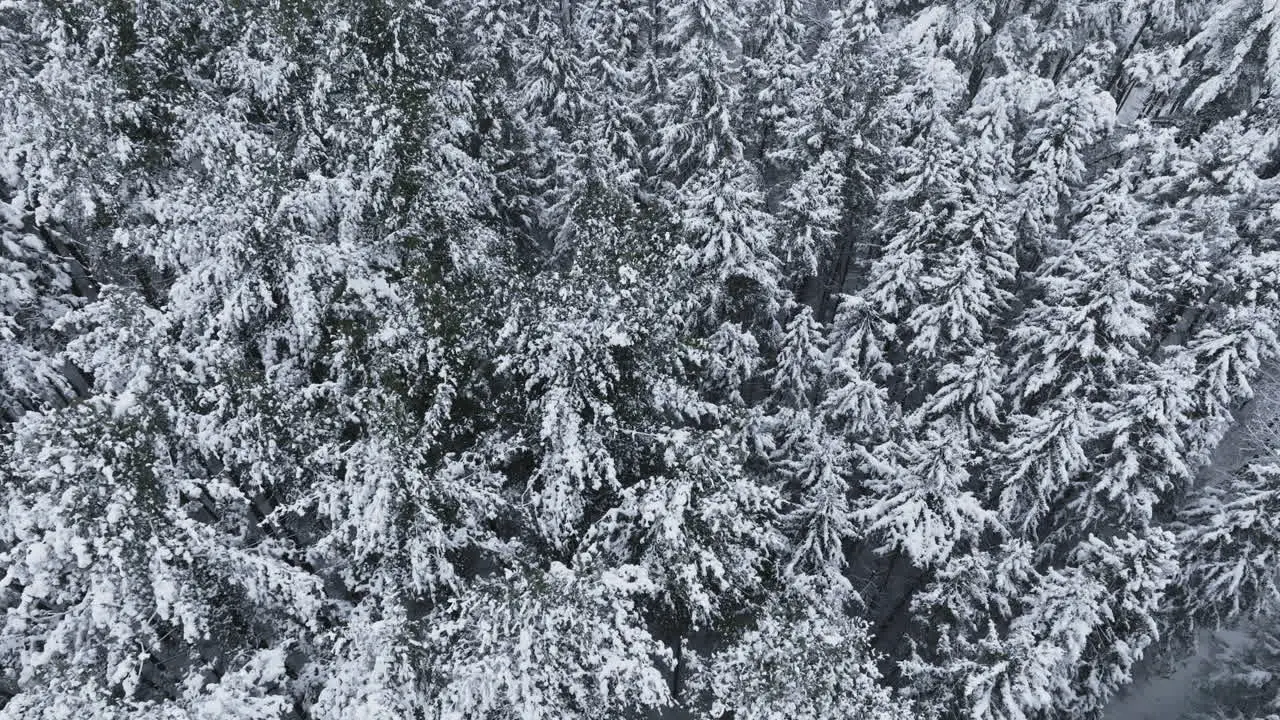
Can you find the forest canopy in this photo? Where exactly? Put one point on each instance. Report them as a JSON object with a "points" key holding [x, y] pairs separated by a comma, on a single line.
{"points": [[569, 359]]}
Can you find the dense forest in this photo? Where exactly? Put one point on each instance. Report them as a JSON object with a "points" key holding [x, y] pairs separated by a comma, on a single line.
{"points": [[568, 359]]}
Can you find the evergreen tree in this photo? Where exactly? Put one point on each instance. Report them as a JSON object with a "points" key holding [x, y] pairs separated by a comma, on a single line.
{"points": [[828, 671]]}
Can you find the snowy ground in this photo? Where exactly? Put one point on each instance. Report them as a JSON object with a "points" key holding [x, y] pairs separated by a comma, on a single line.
{"points": [[1168, 697], [1163, 697]]}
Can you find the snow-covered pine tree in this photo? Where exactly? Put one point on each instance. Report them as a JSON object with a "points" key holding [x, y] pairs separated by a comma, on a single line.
{"points": [[42, 282], [774, 51], [697, 114], [705, 533], [1087, 332], [1229, 540], [554, 644], [811, 662], [526, 81], [265, 398], [1237, 54], [831, 130], [41, 212], [814, 465], [612, 146]]}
